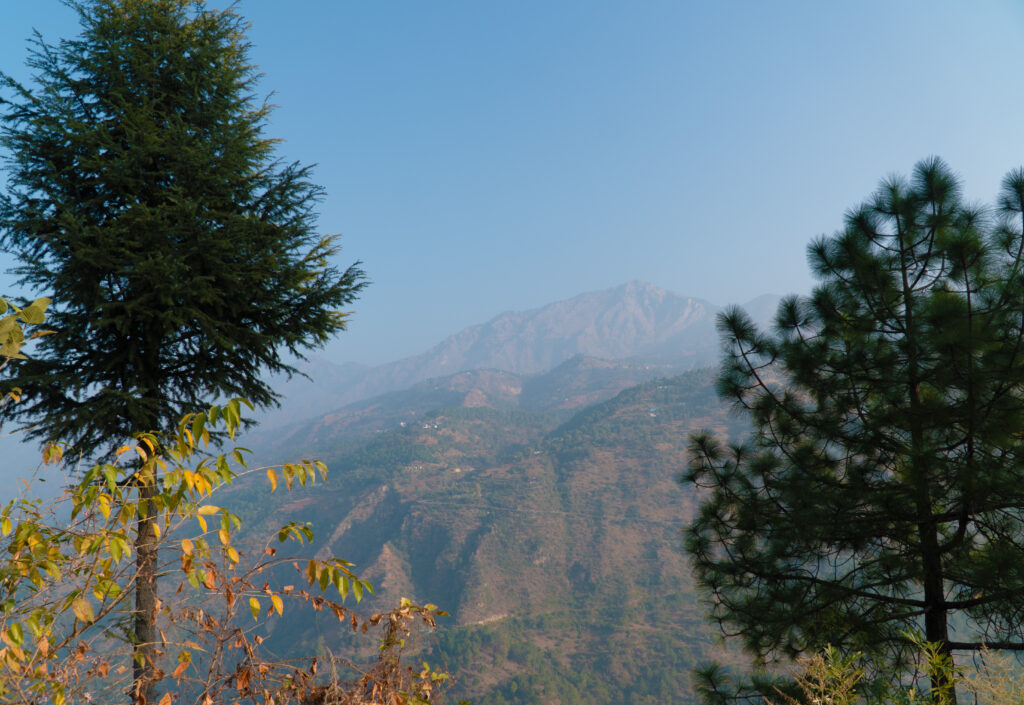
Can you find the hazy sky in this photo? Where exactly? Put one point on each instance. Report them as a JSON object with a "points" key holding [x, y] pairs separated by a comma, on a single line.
{"points": [[487, 156]]}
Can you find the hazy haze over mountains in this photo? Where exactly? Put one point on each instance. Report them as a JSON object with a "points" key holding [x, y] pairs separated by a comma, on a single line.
{"points": [[634, 321]]}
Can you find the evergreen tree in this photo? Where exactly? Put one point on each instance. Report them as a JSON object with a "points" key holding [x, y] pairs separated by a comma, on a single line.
{"points": [[181, 256], [881, 491]]}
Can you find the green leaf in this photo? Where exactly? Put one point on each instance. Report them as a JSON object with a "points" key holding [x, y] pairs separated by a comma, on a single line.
{"points": [[198, 426], [115, 551]]}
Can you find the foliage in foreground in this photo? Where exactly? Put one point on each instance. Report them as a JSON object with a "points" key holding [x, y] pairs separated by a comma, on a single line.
{"points": [[67, 581], [832, 678], [66, 586]]}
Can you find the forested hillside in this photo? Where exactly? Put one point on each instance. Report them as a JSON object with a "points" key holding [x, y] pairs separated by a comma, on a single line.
{"points": [[553, 540]]}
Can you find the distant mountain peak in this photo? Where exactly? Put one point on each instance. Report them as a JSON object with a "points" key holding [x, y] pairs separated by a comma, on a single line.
{"points": [[639, 286], [633, 321]]}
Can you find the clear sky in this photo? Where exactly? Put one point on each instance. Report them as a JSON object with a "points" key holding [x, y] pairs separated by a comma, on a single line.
{"points": [[488, 156]]}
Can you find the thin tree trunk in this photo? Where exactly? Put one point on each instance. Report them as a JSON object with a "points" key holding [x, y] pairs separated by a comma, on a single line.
{"points": [[936, 630], [146, 633]]}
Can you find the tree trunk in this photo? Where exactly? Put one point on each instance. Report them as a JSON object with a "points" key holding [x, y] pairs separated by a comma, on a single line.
{"points": [[146, 633], [936, 630]]}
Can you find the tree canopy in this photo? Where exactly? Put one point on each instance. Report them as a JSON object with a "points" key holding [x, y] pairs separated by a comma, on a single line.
{"points": [[145, 199], [881, 488]]}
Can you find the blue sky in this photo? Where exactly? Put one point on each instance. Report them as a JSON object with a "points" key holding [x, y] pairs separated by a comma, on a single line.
{"points": [[487, 156]]}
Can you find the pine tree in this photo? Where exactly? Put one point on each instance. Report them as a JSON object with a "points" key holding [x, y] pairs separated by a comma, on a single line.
{"points": [[882, 487], [180, 254]]}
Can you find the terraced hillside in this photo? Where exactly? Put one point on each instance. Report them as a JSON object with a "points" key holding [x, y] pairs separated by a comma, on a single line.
{"points": [[554, 541]]}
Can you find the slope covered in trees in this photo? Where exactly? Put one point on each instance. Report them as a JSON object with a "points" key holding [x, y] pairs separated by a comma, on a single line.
{"points": [[552, 538]]}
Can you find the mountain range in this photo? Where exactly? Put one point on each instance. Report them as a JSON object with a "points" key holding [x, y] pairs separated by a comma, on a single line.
{"points": [[636, 322], [522, 474]]}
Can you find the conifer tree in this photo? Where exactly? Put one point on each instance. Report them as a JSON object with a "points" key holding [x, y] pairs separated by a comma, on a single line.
{"points": [[180, 254], [881, 491]]}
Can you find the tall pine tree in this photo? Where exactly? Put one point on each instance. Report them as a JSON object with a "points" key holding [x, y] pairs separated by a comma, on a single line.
{"points": [[881, 491], [181, 255]]}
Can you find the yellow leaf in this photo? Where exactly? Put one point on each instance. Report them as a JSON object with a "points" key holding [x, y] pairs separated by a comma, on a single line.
{"points": [[35, 312], [203, 485], [272, 476], [207, 509], [233, 555], [254, 606], [202, 523], [156, 529], [187, 546], [5, 525], [83, 610], [104, 503], [166, 700], [222, 534], [278, 603]]}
